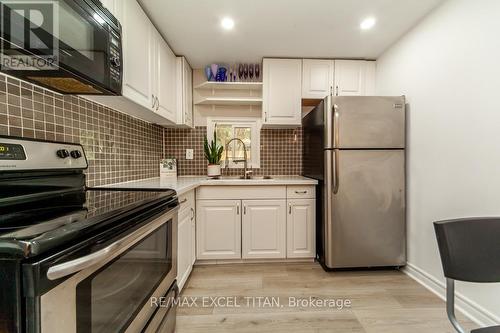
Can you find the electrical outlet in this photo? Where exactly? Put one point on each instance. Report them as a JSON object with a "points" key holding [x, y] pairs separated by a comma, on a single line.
{"points": [[189, 154]]}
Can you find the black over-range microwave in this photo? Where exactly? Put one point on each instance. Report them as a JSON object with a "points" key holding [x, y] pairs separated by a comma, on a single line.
{"points": [[70, 46]]}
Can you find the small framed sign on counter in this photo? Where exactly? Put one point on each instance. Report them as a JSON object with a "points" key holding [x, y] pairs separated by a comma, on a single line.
{"points": [[168, 167]]}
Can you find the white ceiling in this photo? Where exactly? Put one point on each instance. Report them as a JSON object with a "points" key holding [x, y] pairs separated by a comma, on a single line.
{"points": [[282, 28]]}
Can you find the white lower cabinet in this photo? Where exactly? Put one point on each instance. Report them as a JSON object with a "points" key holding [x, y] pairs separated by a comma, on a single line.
{"points": [[301, 228], [255, 222], [264, 229], [186, 238], [218, 229]]}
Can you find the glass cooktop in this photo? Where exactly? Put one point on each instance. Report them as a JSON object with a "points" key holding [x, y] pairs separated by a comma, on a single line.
{"points": [[67, 213]]}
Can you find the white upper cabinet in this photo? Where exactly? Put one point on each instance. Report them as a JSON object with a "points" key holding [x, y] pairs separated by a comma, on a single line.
{"points": [[351, 77], [138, 54], [371, 68], [149, 89], [164, 82], [184, 93], [317, 78], [264, 229], [282, 92]]}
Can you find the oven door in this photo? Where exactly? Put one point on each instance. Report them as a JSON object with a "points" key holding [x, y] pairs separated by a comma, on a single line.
{"points": [[113, 295]]}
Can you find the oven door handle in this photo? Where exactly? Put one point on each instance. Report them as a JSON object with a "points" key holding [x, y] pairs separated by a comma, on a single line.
{"points": [[76, 265]]}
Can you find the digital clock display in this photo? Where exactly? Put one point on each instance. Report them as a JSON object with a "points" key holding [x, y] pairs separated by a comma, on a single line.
{"points": [[10, 151]]}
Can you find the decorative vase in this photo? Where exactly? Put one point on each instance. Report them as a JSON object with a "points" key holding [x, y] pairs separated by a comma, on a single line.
{"points": [[214, 68], [208, 72], [221, 74], [213, 170]]}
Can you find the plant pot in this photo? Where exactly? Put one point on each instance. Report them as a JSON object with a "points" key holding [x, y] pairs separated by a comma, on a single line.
{"points": [[213, 170]]}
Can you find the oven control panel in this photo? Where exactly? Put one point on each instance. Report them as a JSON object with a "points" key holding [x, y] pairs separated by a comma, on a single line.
{"points": [[9, 151], [28, 154]]}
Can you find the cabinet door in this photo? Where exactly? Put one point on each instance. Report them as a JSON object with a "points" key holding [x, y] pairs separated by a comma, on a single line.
{"points": [[184, 93], [349, 77], [370, 78], [317, 78], [264, 229], [188, 95], [301, 228], [184, 247], [193, 235], [165, 78], [137, 54], [218, 229], [282, 91]]}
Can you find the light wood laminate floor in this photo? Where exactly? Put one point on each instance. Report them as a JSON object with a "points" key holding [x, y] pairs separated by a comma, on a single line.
{"points": [[382, 301]]}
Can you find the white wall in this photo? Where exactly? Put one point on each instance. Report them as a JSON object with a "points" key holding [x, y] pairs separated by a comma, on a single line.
{"points": [[448, 66]]}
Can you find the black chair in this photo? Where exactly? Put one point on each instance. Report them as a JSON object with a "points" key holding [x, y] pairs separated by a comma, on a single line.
{"points": [[470, 251]]}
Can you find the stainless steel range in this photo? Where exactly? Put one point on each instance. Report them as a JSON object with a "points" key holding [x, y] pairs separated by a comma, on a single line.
{"points": [[77, 259]]}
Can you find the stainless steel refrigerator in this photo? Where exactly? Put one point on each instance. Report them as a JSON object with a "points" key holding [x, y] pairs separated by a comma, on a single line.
{"points": [[355, 147]]}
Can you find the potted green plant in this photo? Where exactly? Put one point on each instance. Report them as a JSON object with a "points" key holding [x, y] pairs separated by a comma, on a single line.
{"points": [[213, 153]]}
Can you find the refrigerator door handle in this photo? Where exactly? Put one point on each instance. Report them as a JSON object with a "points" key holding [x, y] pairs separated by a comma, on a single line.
{"points": [[336, 120], [335, 166]]}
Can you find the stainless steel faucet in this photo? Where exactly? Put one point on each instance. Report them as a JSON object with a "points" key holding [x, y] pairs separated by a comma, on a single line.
{"points": [[245, 160]]}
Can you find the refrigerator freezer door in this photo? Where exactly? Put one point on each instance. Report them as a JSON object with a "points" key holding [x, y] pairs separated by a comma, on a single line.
{"points": [[368, 122], [364, 221]]}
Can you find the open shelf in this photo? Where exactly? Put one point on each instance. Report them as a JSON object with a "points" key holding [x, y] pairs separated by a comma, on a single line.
{"points": [[229, 101], [230, 85]]}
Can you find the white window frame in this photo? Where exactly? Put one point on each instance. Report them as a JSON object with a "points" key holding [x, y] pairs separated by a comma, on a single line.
{"points": [[254, 123]]}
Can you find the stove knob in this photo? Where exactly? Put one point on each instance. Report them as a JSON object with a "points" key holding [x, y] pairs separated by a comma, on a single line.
{"points": [[76, 154], [62, 153], [115, 61]]}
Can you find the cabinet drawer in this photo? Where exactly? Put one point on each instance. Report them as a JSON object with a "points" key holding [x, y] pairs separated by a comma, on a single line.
{"points": [[241, 192], [186, 201], [301, 192]]}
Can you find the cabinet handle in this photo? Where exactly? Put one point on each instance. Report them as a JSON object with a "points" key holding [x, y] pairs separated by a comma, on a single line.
{"points": [[192, 213], [290, 209], [157, 103], [244, 210], [331, 90], [238, 210], [183, 201], [301, 192], [154, 101], [336, 90]]}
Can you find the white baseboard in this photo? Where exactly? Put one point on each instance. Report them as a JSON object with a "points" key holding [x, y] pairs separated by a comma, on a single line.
{"points": [[469, 308], [251, 261]]}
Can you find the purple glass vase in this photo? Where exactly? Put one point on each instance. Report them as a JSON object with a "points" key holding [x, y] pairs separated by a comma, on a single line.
{"points": [[214, 68]]}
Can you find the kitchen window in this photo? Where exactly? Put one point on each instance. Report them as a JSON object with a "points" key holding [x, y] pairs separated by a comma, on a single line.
{"points": [[247, 130]]}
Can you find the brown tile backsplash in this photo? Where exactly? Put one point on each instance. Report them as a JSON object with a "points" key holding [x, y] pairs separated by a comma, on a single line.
{"points": [[280, 151], [118, 147], [122, 148]]}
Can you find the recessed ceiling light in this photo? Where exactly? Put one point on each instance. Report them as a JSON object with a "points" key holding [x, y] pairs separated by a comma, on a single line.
{"points": [[367, 23], [227, 23]]}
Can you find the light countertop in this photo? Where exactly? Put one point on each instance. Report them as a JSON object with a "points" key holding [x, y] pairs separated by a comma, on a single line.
{"points": [[184, 184]]}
